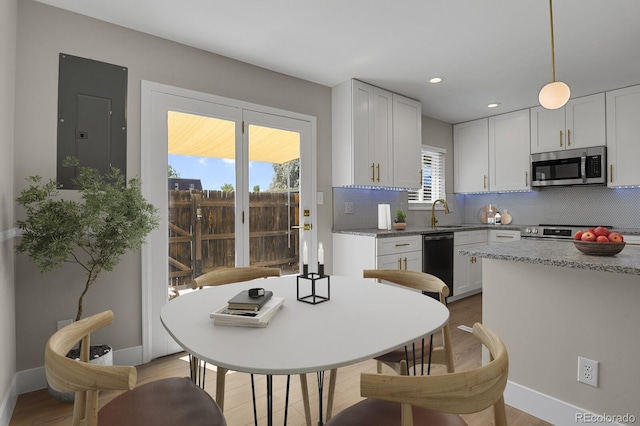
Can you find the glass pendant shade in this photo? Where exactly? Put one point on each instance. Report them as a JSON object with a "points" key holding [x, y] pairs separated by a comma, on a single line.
{"points": [[554, 95]]}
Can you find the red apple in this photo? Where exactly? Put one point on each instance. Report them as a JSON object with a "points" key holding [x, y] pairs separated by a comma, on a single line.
{"points": [[578, 236], [588, 236], [602, 239], [592, 230], [601, 230], [616, 237]]}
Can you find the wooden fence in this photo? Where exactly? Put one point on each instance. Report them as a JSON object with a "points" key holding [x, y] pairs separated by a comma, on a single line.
{"points": [[202, 232]]}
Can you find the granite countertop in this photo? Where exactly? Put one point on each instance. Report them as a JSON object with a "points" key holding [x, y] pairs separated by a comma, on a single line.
{"points": [[560, 253], [418, 230]]}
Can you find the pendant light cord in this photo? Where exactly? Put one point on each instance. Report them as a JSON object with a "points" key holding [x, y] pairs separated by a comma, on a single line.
{"points": [[553, 50]]}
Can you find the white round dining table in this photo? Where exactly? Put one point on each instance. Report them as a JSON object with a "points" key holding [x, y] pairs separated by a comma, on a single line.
{"points": [[362, 319]]}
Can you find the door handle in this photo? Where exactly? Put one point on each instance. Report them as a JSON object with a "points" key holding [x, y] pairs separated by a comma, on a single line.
{"points": [[561, 137], [373, 172], [568, 137], [399, 263], [306, 227], [405, 263], [378, 172]]}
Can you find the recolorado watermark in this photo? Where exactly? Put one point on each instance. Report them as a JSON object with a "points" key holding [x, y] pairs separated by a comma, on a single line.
{"points": [[605, 418]]}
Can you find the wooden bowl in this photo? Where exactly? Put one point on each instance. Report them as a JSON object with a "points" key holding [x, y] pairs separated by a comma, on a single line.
{"points": [[599, 249]]}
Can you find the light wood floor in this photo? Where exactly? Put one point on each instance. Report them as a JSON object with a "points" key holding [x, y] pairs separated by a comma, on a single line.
{"points": [[38, 408]]}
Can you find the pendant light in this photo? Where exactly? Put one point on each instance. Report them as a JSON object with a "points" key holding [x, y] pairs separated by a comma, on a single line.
{"points": [[555, 94]]}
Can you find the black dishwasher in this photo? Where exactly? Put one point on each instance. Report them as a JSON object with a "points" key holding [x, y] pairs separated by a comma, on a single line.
{"points": [[437, 257]]}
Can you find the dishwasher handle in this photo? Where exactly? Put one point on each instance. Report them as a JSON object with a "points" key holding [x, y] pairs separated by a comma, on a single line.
{"points": [[438, 237]]}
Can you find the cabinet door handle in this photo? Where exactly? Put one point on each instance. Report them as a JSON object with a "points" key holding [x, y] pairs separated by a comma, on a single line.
{"points": [[560, 137], [378, 172], [421, 178], [611, 173], [399, 263], [568, 137], [373, 172], [526, 178], [484, 181], [405, 263], [403, 244], [504, 236]]}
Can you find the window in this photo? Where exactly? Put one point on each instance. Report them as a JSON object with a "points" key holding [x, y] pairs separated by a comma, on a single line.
{"points": [[432, 177]]}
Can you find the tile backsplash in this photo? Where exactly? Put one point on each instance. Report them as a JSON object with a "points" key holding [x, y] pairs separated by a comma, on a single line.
{"points": [[577, 205]]}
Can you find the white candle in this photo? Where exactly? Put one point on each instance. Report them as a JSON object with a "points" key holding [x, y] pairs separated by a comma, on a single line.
{"points": [[320, 254], [305, 254]]}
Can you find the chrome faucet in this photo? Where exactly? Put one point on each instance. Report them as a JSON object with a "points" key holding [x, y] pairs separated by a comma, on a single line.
{"points": [[433, 210]]}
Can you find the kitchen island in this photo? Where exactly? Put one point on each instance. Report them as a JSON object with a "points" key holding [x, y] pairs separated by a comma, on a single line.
{"points": [[551, 304]]}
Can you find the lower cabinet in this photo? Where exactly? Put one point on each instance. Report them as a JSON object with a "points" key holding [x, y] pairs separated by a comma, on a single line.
{"points": [[467, 270], [354, 253]]}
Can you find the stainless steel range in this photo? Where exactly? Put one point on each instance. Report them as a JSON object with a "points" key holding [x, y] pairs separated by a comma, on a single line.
{"points": [[558, 232]]}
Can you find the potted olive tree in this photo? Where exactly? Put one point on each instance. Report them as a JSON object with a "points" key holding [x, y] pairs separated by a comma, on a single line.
{"points": [[111, 219]]}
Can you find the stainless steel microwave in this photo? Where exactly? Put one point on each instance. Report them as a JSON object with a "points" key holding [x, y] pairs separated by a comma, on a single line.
{"points": [[582, 166]]}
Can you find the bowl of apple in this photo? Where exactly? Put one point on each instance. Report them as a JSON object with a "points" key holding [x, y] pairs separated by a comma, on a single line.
{"points": [[599, 241]]}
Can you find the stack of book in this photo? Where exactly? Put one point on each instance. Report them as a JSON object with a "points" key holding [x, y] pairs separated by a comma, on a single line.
{"points": [[245, 311]]}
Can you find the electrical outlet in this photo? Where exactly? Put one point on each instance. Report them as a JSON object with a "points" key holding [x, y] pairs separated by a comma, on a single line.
{"points": [[588, 371], [64, 323], [348, 207]]}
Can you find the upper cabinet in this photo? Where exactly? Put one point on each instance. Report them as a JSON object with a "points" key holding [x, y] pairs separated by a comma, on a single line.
{"points": [[623, 128], [492, 154], [579, 124], [471, 156], [407, 141], [509, 140], [377, 137]]}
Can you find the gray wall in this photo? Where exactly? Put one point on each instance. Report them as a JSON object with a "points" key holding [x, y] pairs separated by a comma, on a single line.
{"points": [[8, 20], [44, 32]]}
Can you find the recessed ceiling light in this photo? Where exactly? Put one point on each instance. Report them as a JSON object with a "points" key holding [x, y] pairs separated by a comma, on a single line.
{"points": [[494, 105], [435, 80]]}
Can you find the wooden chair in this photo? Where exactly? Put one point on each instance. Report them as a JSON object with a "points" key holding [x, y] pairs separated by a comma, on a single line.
{"points": [[433, 400], [170, 401], [233, 275], [228, 276], [416, 353], [441, 355]]}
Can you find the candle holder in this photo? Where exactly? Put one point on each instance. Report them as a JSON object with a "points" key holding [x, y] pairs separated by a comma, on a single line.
{"points": [[314, 280]]}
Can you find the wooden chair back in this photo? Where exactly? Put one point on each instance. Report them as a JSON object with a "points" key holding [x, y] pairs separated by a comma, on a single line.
{"points": [[423, 282], [233, 275], [456, 393], [86, 380]]}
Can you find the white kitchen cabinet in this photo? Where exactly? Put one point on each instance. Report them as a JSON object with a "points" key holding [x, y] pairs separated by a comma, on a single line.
{"points": [[579, 124], [471, 156], [400, 253], [467, 270], [373, 130], [407, 141], [354, 253], [503, 235], [623, 128], [509, 145]]}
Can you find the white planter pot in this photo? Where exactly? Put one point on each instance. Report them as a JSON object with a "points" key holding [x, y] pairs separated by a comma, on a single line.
{"points": [[103, 356]]}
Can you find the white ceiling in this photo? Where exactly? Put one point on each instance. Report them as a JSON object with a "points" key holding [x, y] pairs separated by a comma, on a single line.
{"points": [[487, 51]]}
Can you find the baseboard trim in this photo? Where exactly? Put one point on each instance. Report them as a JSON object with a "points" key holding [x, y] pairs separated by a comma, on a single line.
{"points": [[542, 406], [8, 403], [36, 379]]}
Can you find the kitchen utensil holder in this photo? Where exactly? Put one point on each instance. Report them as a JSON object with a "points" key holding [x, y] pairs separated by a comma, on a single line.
{"points": [[315, 280]]}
